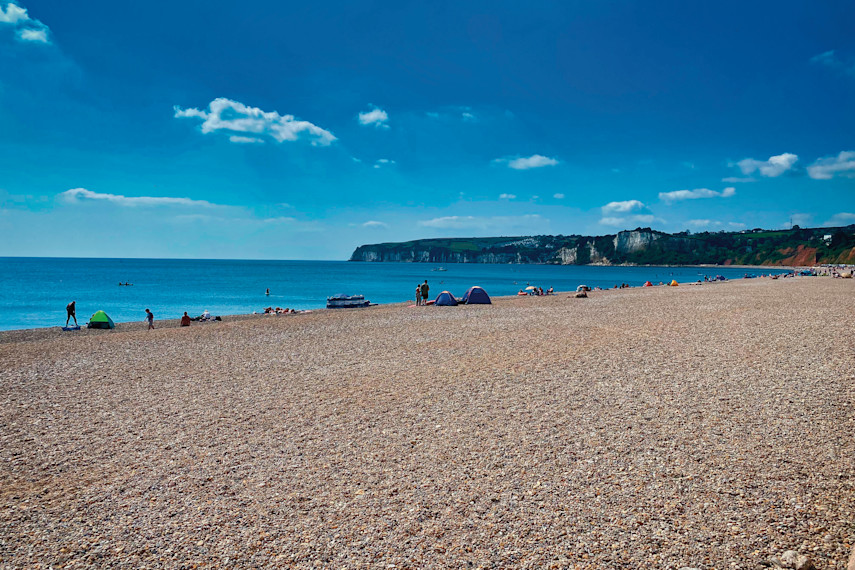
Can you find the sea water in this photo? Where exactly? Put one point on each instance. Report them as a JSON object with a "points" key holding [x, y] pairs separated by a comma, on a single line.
{"points": [[35, 291]]}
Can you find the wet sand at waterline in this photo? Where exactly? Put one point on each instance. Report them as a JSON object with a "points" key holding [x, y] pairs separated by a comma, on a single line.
{"points": [[710, 426]]}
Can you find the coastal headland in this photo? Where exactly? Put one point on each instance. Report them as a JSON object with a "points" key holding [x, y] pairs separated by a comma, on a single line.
{"points": [[641, 246], [706, 426]]}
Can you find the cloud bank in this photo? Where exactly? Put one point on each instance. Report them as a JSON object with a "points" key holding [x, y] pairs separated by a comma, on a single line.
{"points": [[381, 162], [527, 163], [629, 220], [827, 168], [715, 224], [840, 219], [623, 207], [77, 195], [678, 195], [832, 61], [26, 29], [234, 117], [483, 223], [632, 212], [772, 168]]}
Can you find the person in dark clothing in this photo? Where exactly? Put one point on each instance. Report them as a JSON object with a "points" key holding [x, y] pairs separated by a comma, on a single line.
{"points": [[71, 310]]}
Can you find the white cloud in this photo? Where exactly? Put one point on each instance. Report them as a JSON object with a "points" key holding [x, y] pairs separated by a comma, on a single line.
{"points": [[13, 14], [775, 166], [695, 194], [26, 29], [827, 168], [377, 117], [840, 219], [279, 220], [533, 161], [76, 195], [715, 224], [623, 207], [234, 117], [558, 196], [738, 179], [375, 224], [507, 196], [702, 223], [453, 114], [383, 162], [245, 140], [830, 60], [484, 223], [627, 221], [28, 35], [825, 58]]}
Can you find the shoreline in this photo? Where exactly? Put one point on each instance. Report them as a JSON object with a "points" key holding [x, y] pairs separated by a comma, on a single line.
{"points": [[38, 333]]}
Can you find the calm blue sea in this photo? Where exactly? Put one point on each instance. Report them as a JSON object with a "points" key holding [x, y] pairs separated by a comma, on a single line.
{"points": [[35, 291]]}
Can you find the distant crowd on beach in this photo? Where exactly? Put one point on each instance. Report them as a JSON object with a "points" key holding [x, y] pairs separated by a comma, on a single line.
{"points": [[422, 294]]}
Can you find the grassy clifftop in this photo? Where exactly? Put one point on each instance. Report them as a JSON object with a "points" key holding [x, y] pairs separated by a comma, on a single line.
{"points": [[641, 246]]}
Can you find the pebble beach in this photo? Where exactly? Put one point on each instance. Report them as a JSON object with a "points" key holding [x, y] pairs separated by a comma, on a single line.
{"points": [[702, 426]]}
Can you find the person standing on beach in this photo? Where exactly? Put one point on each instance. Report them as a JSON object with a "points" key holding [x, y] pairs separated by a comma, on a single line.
{"points": [[418, 294], [149, 317], [425, 289], [71, 311]]}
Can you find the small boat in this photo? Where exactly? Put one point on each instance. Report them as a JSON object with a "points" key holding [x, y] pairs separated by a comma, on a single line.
{"points": [[439, 269], [342, 301]]}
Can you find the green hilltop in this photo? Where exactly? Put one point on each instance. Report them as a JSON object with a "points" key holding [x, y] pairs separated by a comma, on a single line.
{"points": [[642, 246]]}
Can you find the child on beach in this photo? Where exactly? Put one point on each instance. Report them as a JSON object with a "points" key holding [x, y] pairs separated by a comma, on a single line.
{"points": [[418, 295], [149, 316]]}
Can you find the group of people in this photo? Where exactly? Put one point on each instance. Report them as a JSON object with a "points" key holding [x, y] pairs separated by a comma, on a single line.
{"points": [[422, 292], [536, 291], [71, 313], [278, 311]]}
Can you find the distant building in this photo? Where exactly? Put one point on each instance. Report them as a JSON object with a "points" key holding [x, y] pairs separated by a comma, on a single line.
{"points": [[826, 238]]}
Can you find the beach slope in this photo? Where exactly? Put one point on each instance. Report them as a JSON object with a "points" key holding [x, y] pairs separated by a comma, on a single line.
{"points": [[704, 426]]}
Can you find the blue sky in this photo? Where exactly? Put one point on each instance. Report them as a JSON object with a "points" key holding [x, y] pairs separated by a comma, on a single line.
{"points": [[286, 130]]}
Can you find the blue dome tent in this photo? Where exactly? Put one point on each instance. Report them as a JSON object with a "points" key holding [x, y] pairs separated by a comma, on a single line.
{"points": [[476, 296], [446, 299]]}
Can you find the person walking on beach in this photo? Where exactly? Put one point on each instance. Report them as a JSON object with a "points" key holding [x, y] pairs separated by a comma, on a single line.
{"points": [[71, 310], [425, 289], [149, 317]]}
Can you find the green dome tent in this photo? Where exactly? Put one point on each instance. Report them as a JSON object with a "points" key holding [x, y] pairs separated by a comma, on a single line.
{"points": [[100, 320]]}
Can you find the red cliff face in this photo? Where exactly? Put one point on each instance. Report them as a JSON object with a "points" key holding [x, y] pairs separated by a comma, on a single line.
{"points": [[803, 256], [847, 257]]}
